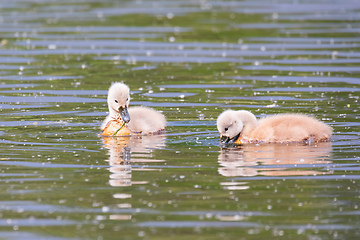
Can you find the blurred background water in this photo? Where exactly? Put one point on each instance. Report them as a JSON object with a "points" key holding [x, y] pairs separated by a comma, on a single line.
{"points": [[191, 60]]}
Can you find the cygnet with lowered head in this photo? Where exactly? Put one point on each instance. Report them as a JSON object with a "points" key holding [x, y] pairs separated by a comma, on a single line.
{"points": [[242, 127], [137, 120]]}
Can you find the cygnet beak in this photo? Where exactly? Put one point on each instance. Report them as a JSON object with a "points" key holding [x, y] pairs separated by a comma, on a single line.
{"points": [[124, 114], [224, 140]]}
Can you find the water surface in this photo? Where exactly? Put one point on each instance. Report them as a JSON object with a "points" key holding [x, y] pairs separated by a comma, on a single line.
{"points": [[191, 60]]}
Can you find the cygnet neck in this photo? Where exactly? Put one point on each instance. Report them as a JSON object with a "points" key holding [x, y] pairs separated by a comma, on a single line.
{"points": [[113, 113], [249, 121]]}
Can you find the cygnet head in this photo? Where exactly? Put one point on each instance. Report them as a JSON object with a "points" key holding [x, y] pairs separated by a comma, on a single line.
{"points": [[118, 101], [229, 126], [232, 124]]}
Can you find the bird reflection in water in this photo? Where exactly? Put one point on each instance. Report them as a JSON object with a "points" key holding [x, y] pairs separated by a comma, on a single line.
{"points": [[123, 153], [272, 160]]}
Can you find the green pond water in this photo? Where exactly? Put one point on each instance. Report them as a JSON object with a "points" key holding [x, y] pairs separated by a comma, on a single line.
{"points": [[191, 60]]}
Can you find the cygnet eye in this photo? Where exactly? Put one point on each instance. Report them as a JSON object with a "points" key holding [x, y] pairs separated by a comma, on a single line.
{"points": [[226, 129], [116, 101]]}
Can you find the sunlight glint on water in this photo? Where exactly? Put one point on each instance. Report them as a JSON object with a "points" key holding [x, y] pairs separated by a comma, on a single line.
{"points": [[191, 60]]}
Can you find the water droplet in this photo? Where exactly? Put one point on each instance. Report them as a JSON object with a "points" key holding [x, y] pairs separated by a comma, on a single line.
{"points": [[170, 15], [171, 39], [52, 46]]}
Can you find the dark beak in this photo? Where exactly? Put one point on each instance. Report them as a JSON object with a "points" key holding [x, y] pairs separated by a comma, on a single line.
{"points": [[124, 114], [227, 141]]}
